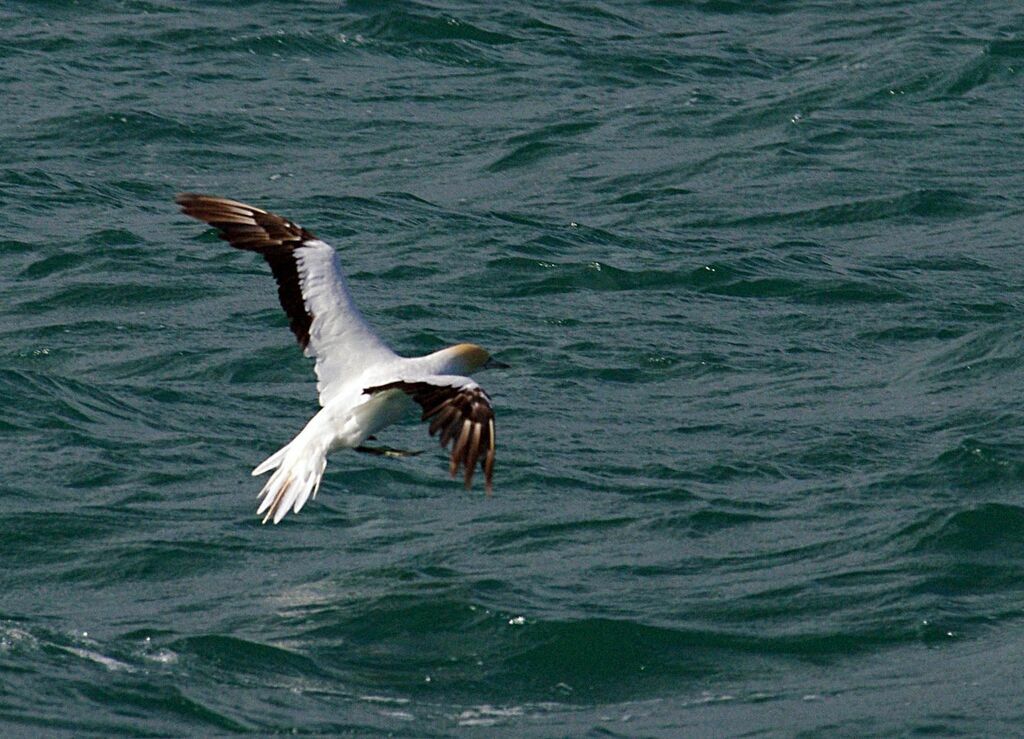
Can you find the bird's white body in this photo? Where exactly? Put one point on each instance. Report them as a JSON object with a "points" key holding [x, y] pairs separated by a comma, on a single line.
{"points": [[349, 419], [363, 385]]}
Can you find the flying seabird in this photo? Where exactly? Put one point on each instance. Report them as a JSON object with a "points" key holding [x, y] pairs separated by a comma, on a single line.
{"points": [[363, 385]]}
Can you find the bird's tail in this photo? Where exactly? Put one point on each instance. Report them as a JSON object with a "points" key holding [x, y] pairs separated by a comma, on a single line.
{"points": [[299, 468]]}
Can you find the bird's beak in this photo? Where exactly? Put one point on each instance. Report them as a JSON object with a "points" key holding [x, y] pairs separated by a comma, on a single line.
{"points": [[493, 363]]}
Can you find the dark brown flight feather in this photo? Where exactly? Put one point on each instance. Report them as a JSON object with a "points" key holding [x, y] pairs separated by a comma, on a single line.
{"points": [[460, 414], [252, 229]]}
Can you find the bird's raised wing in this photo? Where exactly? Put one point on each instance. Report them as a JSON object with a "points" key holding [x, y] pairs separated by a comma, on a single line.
{"points": [[461, 411], [310, 284]]}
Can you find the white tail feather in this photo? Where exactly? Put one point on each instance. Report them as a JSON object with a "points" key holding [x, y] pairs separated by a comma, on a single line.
{"points": [[300, 466], [270, 462]]}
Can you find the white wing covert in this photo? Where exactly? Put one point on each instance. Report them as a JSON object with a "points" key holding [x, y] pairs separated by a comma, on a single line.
{"points": [[340, 339]]}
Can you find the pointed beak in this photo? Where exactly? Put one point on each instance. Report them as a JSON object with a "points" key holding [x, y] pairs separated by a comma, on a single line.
{"points": [[493, 363]]}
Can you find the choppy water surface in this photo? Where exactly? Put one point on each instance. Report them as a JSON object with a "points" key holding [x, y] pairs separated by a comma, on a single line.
{"points": [[756, 266]]}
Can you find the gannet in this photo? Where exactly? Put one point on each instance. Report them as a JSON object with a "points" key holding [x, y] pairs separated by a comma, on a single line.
{"points": [[363, 385]]}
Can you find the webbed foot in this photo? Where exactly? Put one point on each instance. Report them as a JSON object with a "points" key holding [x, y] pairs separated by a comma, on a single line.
{"points": [[386, 451]]}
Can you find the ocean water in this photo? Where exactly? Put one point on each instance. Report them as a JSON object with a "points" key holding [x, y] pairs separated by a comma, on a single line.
{"points": [[757, 270]]}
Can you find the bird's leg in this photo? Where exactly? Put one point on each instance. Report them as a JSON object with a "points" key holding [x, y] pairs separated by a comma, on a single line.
{"points": [[386, 451]]}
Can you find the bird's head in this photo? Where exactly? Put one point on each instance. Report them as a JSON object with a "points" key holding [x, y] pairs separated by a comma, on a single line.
{"points": [[470, 358]]}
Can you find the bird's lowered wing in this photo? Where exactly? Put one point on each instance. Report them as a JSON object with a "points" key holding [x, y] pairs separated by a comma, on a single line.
{"points": [[461, 411], [310, 285]]}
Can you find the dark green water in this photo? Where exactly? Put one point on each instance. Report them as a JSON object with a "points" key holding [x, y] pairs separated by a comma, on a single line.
{"points": [[757, 267]]}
